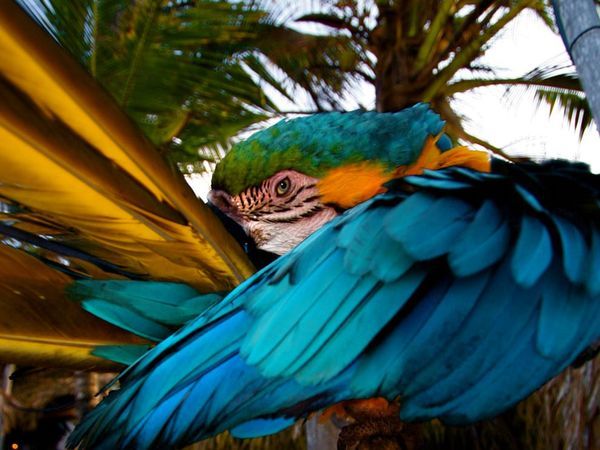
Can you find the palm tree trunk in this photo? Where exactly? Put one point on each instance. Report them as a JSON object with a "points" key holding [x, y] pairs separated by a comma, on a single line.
{"points": [[580, 29], [394, 87]]}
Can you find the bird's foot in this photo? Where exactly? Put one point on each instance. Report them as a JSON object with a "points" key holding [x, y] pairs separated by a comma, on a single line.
{"points": [[383, 433]]}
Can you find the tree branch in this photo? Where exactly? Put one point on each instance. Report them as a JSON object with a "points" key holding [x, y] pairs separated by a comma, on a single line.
{"points": [[471, 51], [431, 37], [554, 82]]}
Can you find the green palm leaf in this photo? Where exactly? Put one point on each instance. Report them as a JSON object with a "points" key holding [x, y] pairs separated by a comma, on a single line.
{"points": [[573, 105], [192, 73]]}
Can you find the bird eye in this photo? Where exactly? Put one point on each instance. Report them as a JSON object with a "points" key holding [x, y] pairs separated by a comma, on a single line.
{"points": [[283, 186]]}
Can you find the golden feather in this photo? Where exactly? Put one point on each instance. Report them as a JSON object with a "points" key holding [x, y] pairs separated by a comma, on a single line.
{"points": [[75, 170]]}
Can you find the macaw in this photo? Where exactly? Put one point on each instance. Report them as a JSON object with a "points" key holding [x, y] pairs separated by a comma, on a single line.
{"points": [[444, 282], [411, 271]]}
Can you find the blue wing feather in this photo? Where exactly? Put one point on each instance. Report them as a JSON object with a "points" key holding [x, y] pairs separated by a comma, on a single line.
{"points": [[432, 233], [533, 252], [360, 328], [482, 244], [441, 326], [562, 304], [593, 264], [125, 354], [475, 295], [381, 371], [486, 328], [574, 249], [261, 427], [125, 318]]}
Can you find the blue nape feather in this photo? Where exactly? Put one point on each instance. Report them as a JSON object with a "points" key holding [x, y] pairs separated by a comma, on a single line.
{"points": [[481, 287]]}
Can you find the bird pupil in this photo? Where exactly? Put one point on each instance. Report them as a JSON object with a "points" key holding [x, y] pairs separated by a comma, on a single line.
{"points": [[283, 186]]}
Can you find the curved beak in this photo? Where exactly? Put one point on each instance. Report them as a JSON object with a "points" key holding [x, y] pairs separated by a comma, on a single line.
{"points": [[225, 203]]}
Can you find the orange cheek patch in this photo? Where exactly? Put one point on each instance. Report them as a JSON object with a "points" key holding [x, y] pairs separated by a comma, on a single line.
{"points": [[347, 186]]}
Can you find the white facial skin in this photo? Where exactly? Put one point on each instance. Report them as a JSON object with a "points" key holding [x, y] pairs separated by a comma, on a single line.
{"points": [[279, 213]]}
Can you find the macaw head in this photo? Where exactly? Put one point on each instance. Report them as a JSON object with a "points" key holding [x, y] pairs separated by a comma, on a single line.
{"points": [[287, 181]]}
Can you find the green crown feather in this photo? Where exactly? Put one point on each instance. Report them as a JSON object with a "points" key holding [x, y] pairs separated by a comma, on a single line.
{"points": [[316, 144]]}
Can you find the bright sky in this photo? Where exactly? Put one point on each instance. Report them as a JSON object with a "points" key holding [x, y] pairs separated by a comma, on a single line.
{"points": [[512, 122]]}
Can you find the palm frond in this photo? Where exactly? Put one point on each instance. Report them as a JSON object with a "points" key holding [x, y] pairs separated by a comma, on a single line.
{"points": [[167, 65], [551, 76], [323, 66], [555, 85], [559, 89], [573, 105], [543, 10]]}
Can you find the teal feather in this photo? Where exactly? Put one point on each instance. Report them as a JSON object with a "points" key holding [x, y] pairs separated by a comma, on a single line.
{"points": [[531, 200], [123, 290], [362, 246], [593, 265], [125, 318], [389, 262], [371, 315], [483, 243], [533, 252], [285, 314], [442, 325], [319, 324], [379, 372], [195, 356], [434, 231], [519, 361], [439, 183], [122, 354], [562, 304], [531, 365], [486, 328], [408, 214], [574, 249], [151, 309]]}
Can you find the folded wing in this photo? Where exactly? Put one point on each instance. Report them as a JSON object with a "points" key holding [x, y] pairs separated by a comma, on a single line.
{"points": [[457, 292]]}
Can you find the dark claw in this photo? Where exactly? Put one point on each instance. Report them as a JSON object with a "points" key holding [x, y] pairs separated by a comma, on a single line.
{"points": [[379, 433]]}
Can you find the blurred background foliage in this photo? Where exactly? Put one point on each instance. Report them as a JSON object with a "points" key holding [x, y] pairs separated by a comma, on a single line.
{"points": [[194, 74]]}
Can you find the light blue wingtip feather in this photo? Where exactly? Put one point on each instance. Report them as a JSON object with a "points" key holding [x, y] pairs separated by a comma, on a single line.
{"points": [[122, 354], [127, 319]]}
